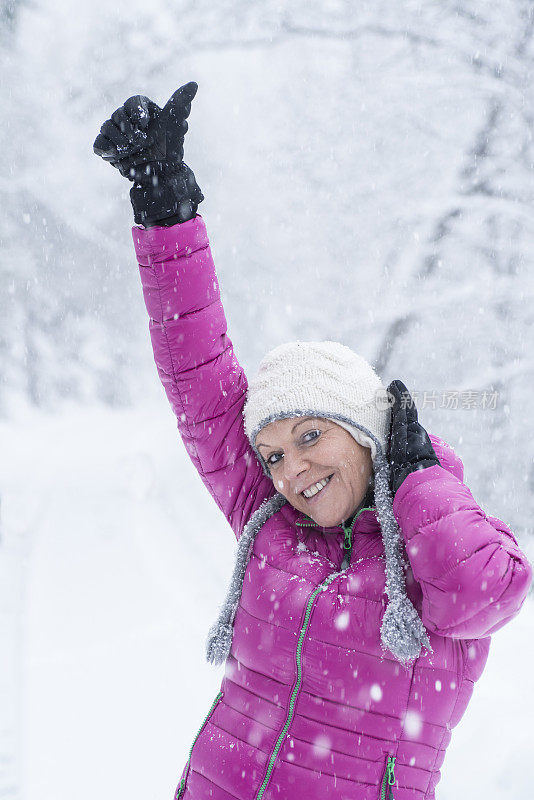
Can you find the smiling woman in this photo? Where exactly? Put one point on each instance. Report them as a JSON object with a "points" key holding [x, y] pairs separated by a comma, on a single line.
{"points": [[367, 580], [318, 466]]}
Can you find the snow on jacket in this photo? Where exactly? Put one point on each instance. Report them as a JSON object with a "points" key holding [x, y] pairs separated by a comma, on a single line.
{"points": [[310, 704]]}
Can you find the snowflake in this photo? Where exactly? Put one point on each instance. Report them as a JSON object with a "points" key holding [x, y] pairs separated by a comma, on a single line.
{"points": [[342, 621], [376, 692], [413, 724]]}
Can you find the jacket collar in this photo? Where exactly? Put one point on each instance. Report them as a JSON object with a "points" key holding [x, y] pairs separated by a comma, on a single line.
{"points": [[366, 509]]}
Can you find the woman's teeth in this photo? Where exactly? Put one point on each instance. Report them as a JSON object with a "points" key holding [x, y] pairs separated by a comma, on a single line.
{"points": [[313, 490]]}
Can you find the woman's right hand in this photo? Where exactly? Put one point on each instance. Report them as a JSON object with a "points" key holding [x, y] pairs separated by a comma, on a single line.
{"points": [[145, 143]]}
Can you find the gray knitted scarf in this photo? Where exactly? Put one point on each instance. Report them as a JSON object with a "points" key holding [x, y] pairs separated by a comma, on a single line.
{"points": [[221, 632], [401, 632]]}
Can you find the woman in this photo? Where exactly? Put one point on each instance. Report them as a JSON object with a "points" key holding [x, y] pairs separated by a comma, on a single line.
{"points": [[367, 581]]}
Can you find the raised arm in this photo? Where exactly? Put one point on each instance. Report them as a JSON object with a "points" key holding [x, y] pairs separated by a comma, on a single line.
{"points": [[194, 357], [205, 384]]}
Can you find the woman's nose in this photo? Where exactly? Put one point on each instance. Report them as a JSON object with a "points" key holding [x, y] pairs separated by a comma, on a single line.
{"points": [[294, 465]]}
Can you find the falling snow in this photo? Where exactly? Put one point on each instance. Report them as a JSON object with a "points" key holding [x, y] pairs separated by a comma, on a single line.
{"points": [[370, 180], [376, 692], [321, 746], [413, 724], [342, 620]]}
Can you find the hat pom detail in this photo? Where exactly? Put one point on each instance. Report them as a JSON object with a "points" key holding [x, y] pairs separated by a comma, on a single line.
{"points": [[219, 643], [402, 631]]}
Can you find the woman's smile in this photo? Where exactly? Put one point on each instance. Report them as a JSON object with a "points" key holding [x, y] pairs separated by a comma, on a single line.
{"points": [[316, 488]]}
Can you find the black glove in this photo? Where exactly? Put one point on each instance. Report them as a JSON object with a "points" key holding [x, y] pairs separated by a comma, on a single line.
{"points": [[146, 144], [410, 448]]}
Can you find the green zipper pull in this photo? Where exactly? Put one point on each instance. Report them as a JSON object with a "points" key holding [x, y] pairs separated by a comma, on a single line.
{"points": [[347, 542], [388, 780], [347, 545]]}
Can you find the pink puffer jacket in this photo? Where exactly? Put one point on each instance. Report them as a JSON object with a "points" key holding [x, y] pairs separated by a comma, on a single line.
{"points": [[310, 705]]}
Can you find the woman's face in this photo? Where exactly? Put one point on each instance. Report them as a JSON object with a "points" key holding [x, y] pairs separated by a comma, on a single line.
{"points": [[302, 452]]}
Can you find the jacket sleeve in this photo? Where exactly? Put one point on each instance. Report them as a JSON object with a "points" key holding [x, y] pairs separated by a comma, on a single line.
{"points": [[205, 385], [473, 576]]}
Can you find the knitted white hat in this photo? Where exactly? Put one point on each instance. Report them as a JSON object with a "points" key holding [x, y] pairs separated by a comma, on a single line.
{"points": [[323, 379]]}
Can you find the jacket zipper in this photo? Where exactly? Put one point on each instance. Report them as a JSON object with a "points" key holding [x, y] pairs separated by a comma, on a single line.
{"points": [[347, 530], [388, 780], [181, 786], [347, 542], [298, 682]]}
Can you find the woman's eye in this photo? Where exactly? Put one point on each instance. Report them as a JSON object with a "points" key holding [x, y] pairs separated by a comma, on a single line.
{"points": [[273, 459], [311, 436]]}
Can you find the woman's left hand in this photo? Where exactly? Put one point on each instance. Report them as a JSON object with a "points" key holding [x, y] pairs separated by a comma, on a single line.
{"points": [[410, 448]]}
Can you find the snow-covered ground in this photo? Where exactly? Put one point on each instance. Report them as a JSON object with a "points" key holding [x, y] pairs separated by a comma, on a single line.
{"points": [[121, 560]]}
